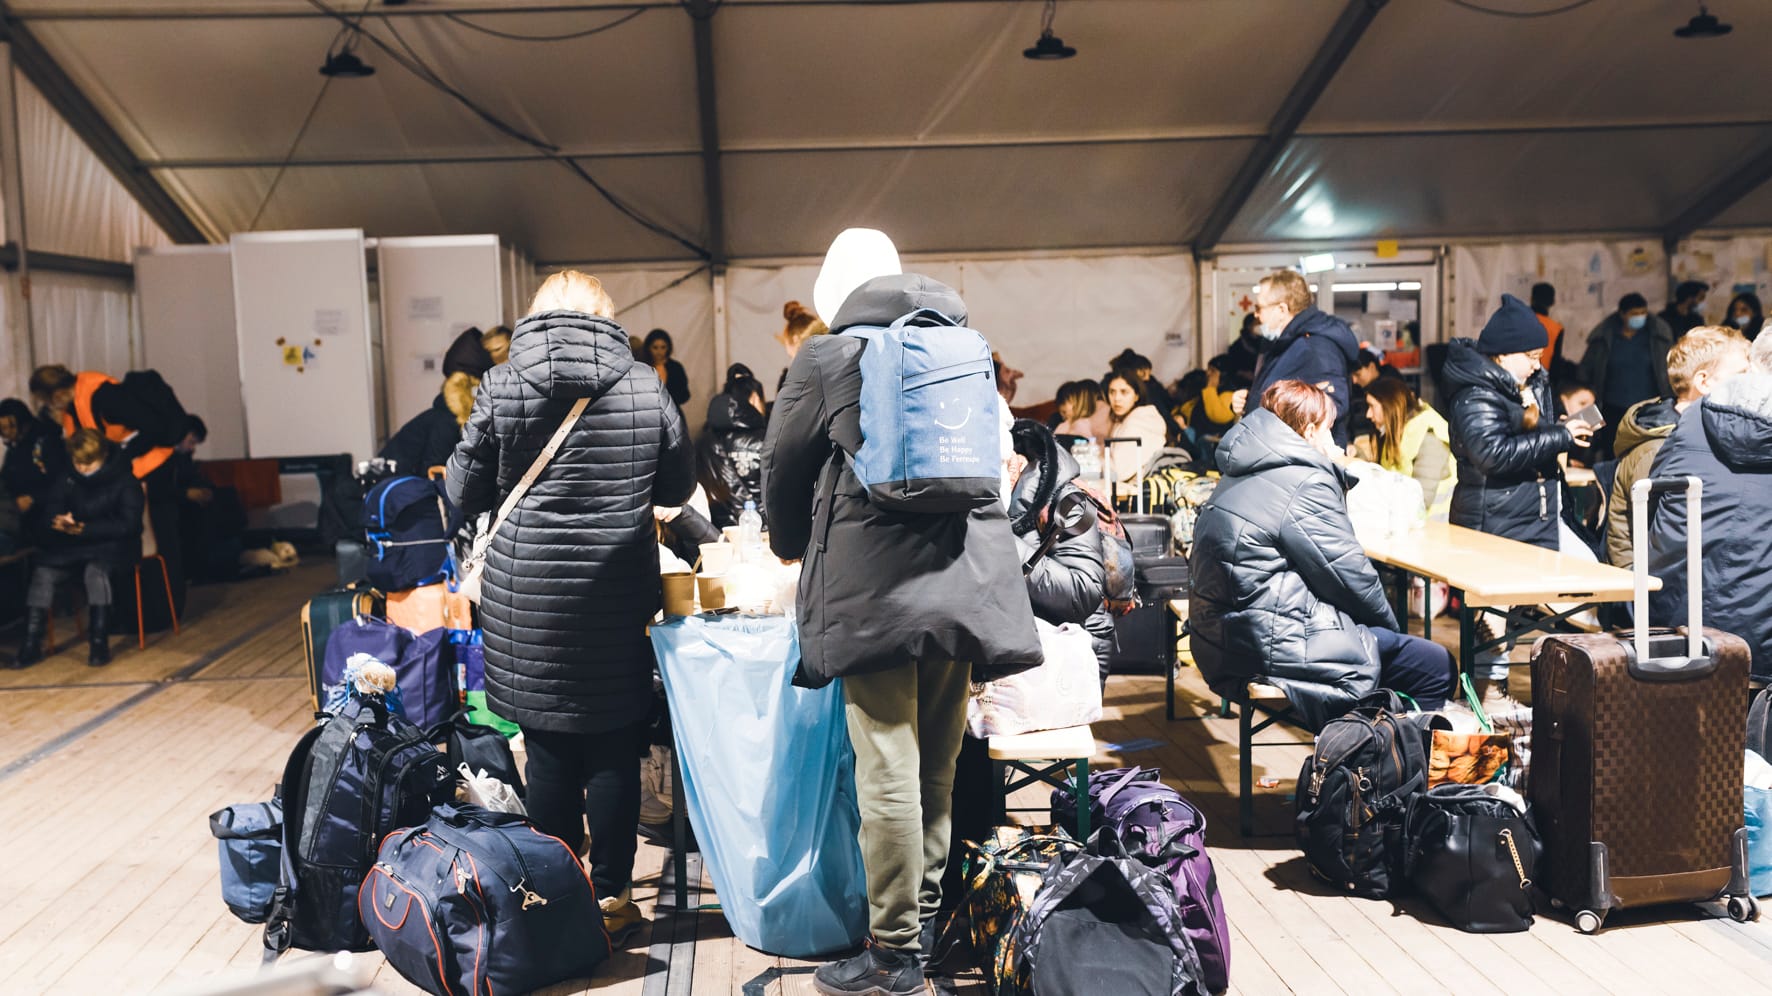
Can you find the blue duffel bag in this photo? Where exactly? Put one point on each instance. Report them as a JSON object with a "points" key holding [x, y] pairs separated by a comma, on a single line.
{"points": [[474, 901], [250, 839]]}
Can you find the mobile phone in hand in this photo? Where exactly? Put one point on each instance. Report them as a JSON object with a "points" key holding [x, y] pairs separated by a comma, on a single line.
{"points": [[1591, 415]]}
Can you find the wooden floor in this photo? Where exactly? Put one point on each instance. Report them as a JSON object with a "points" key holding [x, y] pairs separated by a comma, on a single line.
{"points": [[108, 871]]}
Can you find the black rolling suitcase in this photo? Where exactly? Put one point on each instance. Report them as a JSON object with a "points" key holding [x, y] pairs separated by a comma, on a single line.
{"points": [[1636, 754]]}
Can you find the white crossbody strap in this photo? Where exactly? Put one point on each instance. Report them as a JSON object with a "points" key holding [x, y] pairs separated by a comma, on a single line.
{"points": [[541, 462]]}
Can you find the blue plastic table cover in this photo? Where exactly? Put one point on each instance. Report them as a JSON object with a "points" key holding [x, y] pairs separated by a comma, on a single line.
{"points": [[769, 779]]}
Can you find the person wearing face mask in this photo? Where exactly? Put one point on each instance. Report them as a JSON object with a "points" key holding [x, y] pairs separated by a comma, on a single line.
{"points": [[1129, 417], [1505, 442], [1282, 590], [1626, 362], [1686, 311], [1305, 344], [93, 525], [1746, 314]]}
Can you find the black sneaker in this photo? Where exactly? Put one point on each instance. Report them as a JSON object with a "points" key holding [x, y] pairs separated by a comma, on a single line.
{"points": [[877, 971]]}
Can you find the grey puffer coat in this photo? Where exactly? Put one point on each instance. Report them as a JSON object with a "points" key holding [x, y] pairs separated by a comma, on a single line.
{"points": [[1282, 590], [881, 589], [572, 578], [1507, 474]]}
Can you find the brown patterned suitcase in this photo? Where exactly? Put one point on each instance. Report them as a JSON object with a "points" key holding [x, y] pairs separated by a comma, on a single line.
{"points": [[1637, 746]]}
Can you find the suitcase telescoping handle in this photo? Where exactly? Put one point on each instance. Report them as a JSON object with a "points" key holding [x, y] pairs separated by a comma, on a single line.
{"points": [[1640, 493], [1107, 455]]}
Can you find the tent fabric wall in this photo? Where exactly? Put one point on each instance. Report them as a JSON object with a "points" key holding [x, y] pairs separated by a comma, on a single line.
{"points": [[1589, 277], [84, 322], [645, 300], [1055, 319], [73, 204]]}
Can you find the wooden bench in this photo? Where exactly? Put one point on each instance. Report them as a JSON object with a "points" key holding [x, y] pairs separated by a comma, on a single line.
{"points": [[1274, 707], [1060, 751]]}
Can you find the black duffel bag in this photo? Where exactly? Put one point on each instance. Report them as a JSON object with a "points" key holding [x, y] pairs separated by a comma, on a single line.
{"points": [[1472, 855]]}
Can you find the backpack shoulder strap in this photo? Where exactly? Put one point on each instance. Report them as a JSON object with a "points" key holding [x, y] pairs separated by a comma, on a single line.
{"points": [[294, 790]]}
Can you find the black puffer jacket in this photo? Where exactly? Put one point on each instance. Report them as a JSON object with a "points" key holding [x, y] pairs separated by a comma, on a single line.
{"points": [[882, 589], [109, 504], [1508, 477], [1726, 442], [1066, 583], [425, 441], [730, 458], [572, 578], [1281, 587], [1316, 348]]}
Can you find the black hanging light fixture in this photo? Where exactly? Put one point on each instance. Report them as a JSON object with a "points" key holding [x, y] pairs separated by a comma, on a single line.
{"points": [[344, 63], [1704, 24], [1049, 47]]}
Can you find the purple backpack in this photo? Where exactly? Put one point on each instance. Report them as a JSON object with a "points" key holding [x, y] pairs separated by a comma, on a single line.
{"points": [[1153, 823]]}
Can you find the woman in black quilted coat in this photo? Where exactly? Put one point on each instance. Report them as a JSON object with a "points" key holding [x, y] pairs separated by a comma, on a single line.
{"points": [[572, 577], [730, 456]]}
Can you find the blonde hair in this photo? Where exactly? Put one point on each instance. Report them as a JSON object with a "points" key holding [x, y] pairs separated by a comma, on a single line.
{"points": [[1290, 285], [570, 290], [1700, 349], [88, 446]]}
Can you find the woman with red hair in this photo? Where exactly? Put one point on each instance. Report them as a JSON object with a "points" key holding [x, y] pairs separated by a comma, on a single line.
{"points": [[1282, 591]]}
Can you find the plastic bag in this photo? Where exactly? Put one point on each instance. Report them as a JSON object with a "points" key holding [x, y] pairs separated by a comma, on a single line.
{"points": [[487, 792], [1757, 808], [769, 781], [1063, 692]]}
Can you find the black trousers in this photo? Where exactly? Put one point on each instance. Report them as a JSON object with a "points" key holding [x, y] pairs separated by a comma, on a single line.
{"points": [[596, 776]]}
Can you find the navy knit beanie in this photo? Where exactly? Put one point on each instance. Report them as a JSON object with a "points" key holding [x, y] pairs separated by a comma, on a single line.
{"points": [[1514, 328]]}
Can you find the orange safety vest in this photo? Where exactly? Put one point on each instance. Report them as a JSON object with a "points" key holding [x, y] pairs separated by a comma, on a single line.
{"points": [[86, 385]]}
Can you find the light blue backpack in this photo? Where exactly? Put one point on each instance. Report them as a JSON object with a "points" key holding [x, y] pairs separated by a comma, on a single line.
{"points": [[930, 439]]}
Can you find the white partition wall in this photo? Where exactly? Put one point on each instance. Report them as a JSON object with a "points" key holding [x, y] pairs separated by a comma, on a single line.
{"points": [[431, 289], [301, 304], [186, 303]]}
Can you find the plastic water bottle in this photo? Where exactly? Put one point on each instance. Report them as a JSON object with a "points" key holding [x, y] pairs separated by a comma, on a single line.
{"points": [[1088, 457], [750, 533]]}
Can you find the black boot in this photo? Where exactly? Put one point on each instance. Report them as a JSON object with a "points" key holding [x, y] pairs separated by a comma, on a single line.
{"points": [[877, 971], [98, 636], [36, 628]]}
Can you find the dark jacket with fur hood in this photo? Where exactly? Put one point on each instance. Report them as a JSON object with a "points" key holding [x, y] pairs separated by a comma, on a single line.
{"points": [[1282, 590], [429, 438], [572, 577], [881, 589]]}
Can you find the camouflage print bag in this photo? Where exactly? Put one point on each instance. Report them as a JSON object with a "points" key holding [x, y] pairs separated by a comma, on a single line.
{"points": [[1105, 923], [1002, 876]]}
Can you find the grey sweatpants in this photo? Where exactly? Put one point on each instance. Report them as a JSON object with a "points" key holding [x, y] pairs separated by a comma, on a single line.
{"points": [[45, 579], [905, 725]]}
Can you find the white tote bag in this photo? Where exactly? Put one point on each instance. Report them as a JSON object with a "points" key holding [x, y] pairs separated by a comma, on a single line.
{"points": [[1064, 691]]}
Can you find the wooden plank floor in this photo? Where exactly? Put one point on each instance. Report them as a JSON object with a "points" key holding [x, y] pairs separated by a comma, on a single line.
{"points": [[107, 777]]}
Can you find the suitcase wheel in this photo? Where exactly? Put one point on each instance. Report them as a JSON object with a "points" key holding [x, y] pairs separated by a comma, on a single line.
{"points": [[1588, 922], [1742, 909]]}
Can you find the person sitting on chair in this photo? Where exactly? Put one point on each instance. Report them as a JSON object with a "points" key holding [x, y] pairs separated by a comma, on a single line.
{"points": [[93, 521], [1282, 591]]}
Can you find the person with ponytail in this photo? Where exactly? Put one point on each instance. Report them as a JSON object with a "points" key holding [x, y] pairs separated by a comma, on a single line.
{"points": [[801, 325], [729, 459]]}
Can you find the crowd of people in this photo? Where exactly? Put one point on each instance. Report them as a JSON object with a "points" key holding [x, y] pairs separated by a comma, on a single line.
{"points": [[96, 473], [1281, 589]]}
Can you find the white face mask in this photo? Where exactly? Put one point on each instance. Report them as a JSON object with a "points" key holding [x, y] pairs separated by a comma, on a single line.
{"points": [[1269, 331]]}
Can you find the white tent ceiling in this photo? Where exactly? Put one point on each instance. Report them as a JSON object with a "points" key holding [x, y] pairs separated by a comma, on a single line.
{"points": [[924, 119]]}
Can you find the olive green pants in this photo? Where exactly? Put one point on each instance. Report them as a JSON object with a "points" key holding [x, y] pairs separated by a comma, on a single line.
{"points": [[905, 725]]}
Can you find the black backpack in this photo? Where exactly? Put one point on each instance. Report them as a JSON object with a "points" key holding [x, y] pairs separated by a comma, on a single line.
{"points": [[363, 774], [481, 748], [1354, 792]]}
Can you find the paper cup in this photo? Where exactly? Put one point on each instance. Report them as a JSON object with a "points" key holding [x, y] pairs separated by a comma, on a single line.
{"points": [[713, 591], [716, 557], [729, 534], [679, 594]]}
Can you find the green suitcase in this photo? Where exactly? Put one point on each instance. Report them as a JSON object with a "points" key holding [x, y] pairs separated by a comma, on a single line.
{"points": [[326, 612]]}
